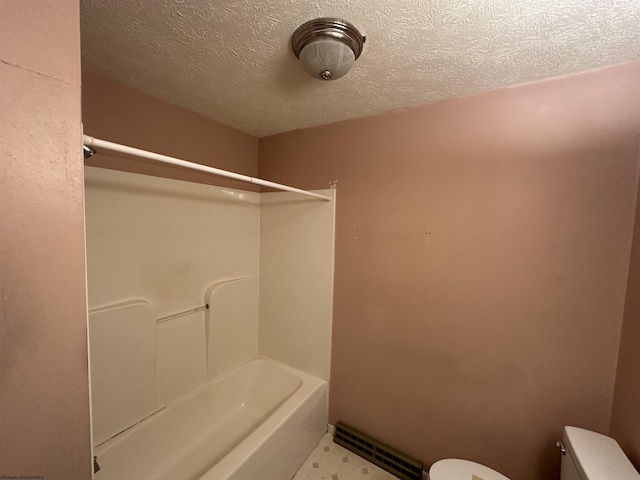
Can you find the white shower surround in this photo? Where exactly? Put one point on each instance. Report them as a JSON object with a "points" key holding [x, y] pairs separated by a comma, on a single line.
{"points": [[163, 246]]}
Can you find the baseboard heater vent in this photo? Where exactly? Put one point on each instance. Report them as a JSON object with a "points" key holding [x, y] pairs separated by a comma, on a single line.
{"points": [[393, 461]]}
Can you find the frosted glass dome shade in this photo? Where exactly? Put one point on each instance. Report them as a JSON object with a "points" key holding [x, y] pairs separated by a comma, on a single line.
{"points": [[327, 59]]}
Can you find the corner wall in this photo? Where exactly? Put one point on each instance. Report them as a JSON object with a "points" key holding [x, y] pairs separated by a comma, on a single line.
{"points": [[482, 249], [44, 396], [625, 414]]}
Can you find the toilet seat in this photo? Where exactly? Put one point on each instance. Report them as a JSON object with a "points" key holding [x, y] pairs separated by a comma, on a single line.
{"points": [[456, 469]]}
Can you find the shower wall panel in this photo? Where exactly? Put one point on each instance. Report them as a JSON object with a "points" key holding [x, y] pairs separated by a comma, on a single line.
{"points": [[296, 280], [166, 242]]}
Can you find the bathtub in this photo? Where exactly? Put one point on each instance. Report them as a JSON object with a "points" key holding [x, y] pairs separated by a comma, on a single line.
{"points": [[259, 421]]}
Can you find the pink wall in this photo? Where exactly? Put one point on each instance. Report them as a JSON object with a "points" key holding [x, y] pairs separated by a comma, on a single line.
{"points": [[481, 260], [118, 113], [44, 399], [482, 252], [625, 418]]}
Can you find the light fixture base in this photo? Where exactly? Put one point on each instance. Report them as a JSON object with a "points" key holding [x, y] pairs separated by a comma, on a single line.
{"points": [[325, 27], [327, 47], [334, 28]]}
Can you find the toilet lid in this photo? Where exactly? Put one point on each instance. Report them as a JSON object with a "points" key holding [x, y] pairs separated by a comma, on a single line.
{"points": [[454, 469]]}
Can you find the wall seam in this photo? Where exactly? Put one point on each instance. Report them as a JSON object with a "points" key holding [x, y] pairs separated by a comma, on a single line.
{"points": [[626, 289]]}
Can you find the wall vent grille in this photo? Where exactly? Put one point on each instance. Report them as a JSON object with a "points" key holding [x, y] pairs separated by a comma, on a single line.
{"points": [[393, 461]]}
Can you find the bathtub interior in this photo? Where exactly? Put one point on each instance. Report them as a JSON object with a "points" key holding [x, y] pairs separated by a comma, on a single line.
{"points": [[186, 439]]}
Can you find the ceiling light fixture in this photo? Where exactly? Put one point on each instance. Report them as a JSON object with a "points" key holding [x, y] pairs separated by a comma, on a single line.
{"points": [[327, 47]]}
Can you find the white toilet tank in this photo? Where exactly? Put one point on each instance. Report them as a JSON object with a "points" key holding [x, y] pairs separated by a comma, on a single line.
{"points": [[591, 456]]}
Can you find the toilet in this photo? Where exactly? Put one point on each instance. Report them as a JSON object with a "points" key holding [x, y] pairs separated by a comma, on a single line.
{"points": [[456, 469], [586, 455]]}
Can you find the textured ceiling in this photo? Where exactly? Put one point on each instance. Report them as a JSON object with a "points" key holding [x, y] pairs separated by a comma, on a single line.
{"points": [[231, 60]]}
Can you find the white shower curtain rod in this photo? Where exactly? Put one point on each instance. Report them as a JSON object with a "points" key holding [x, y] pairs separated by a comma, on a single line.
{"points": [[96, 143]]}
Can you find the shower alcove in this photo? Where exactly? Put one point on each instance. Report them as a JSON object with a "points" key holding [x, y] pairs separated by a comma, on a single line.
{"points": [[210, 327]]}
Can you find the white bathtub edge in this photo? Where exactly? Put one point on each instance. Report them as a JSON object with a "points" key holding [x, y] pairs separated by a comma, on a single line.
{"points": [[280, 445]]}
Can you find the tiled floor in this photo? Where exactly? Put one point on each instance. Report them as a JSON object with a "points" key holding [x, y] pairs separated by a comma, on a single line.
{"points": [[329, 461]]}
